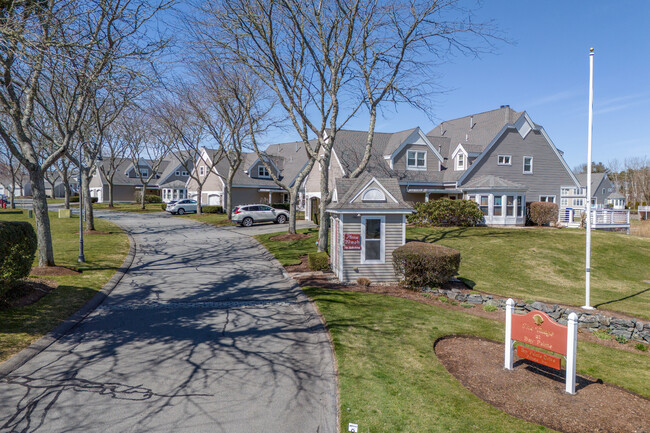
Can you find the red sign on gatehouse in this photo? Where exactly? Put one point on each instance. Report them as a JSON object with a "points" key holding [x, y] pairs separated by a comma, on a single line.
{"points": [[352, 241]]}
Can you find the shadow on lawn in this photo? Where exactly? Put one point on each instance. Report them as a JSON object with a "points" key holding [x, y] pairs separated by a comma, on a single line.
{"points": [[623, 298], [460, 232]]}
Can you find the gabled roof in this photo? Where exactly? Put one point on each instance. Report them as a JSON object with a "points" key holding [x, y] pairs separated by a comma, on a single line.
{"points": [[491, 182], [349, 191], [476, 129], [596, 179]]}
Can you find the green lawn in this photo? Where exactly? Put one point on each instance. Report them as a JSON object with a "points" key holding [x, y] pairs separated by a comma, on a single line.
{"points": [[548, 264], [104, 255], [216, 219], [391, 380], [289, 252]]}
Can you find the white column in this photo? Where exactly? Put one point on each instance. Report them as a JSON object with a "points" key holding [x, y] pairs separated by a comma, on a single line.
{"points": [[426, 197], [510, 309], [571, 350]]}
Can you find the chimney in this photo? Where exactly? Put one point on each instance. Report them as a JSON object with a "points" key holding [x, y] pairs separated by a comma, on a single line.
{"points": [[471, 122], [466, 137], [506, 113]]}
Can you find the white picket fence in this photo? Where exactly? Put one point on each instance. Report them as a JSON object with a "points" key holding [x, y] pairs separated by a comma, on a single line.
{"points": [[600, 218]]}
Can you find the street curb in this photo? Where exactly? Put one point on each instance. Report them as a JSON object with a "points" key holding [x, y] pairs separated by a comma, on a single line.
{"points": [[20, 358]]}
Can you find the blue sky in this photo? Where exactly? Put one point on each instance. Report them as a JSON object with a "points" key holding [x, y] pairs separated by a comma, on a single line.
{"points": [[545, 71]]}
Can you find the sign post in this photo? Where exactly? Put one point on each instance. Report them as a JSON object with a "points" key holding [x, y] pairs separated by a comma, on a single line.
{"points": [[539, 330]]}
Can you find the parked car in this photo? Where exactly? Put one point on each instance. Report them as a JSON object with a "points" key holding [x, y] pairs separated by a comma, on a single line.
{"points": [[247, 215], [181, 206]]}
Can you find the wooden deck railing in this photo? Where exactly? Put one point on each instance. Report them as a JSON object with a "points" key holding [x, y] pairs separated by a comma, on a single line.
{"points": [[600, 218]]}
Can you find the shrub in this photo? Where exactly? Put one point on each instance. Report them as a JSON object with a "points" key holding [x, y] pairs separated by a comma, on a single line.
{"points": [[447, 212], [467, 305], [284, 206], [621, 339], [490, 308], [364, 282], [423, 264], [212, 209], [642, 347], [148, 198], [75, 199], [163, 206], [17, 251], [603, 334], [542, 212], [318, 261]]}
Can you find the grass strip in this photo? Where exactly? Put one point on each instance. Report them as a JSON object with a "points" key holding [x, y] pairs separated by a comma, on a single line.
{"points": [[104, 254]]}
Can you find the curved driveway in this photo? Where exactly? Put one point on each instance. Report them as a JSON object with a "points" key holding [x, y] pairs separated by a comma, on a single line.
{"points": [[203, 334]]}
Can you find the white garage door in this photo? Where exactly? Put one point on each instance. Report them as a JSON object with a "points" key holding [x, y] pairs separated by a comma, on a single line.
{"points": [[214, 200]]}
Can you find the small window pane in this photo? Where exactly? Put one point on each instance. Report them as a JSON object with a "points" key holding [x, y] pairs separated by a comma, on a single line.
{"points": [[420, 156], [373, 229], [373, 250], [496, 211]]}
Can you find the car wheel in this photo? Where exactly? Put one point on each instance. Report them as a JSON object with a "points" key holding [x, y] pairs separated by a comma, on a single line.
{"points": [[247, 222], [181, 211], [281, 219]]}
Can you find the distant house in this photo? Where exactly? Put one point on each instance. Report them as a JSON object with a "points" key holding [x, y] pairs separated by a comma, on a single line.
{"points": [[500, 159], [603, 191], [252, 182], [169, 182], [6, 183]]}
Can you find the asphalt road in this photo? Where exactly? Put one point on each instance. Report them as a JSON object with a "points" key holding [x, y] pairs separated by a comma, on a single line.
{"points": [[203, 334]]}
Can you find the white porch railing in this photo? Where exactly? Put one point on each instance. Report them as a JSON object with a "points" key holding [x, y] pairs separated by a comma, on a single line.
{"points": [[600, 218]]}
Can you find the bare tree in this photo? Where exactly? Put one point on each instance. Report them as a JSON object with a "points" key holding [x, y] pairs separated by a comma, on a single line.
{"points": [[14, 172], [114, 151], [53, 53], [147, 145], [326, 61]]}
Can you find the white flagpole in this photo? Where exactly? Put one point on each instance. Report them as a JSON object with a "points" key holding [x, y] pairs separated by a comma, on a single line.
{"points": [[588, 206]]}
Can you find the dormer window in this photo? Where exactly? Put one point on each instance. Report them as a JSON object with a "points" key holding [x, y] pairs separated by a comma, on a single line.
{"points": [[460, 161], [262, 171], [202, 170], [144, 172], [416, 160]]}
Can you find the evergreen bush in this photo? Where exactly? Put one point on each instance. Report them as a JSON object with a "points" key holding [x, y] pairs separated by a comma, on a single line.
{"points": [[446, 212], [17, 249], [421, 264]]}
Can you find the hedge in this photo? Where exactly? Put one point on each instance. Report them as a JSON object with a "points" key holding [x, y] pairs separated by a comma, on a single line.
{"points": [[75, 199], [542, 212], [318, 261], [446, 212], [212, 209], [17, 251], [284, 206], [421, 264], [148, 198]]}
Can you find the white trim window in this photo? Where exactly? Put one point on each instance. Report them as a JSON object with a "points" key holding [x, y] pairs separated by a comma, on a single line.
{"points": [[185, 173], [528, 165], [262, 171], [510, 205], [564, 202], [484, 204], [373, 239], [416, 160], [522, 205], [547, 198], [504, 160], [178, 173], [144, 173], [604, 189], [460, 161], [578, 202], [497, 206], [202, 170]]}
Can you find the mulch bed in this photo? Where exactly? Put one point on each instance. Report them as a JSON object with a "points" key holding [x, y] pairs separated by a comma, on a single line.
{"points": [[302, 267], [291, 237], [27, 292], [536, 394], [53, 271]]}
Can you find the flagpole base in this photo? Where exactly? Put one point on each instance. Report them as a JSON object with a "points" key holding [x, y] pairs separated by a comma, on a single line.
{"points": [[587, 307]]}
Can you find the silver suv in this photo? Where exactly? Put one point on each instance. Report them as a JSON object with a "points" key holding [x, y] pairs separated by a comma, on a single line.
{"points": [[181, 206], [257, 213]]}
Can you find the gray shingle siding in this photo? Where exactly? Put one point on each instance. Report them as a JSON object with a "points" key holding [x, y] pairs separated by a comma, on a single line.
{"points": [[549, 174], [352, 258]]}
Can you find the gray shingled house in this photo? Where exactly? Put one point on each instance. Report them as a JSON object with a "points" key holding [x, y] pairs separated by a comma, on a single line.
{"points": [[252, 182], [169, 182], [603, 191], [501, 159]]}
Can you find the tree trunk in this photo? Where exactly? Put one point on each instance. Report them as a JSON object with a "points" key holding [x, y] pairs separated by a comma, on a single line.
{"points": [[143, 193], [12, 197], [43, 234], [66, 187], [228, 195], [85, 184], [199, 197], [325, 196], [293, 202], [110, 193]]}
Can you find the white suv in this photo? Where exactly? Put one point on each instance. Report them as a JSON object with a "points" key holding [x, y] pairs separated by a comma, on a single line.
{"points": [[182, 206], [257, 213]]}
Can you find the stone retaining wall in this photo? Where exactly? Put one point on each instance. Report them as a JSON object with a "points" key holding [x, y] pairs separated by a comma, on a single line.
{"points": [[629, 329]]}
